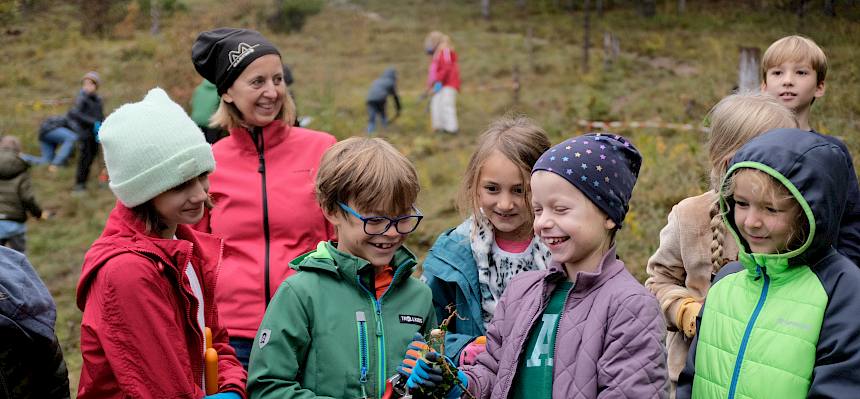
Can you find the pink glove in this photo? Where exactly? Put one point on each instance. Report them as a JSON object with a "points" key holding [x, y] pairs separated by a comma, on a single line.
{"points": [[472, 350]]}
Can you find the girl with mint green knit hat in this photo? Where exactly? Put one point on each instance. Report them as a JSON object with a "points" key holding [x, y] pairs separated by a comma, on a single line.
{"points": [[147, 285]]}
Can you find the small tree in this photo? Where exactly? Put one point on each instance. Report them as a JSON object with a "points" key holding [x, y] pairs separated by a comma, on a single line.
{"points": [[291, 15]]}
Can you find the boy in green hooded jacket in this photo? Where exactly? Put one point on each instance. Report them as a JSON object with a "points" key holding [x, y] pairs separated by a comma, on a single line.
{"points": [[339, 327]]}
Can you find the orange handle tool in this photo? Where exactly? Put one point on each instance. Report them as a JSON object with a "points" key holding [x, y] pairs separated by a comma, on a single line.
{"points": [[211, 364]]}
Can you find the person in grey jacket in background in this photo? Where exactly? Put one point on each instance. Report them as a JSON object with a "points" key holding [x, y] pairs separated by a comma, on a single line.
{"points": [[377, 96], [31, 359]]}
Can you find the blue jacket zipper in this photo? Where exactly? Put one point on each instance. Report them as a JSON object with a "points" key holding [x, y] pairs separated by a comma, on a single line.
{"points": [[361, 323], [380, 337], [762, 272]]}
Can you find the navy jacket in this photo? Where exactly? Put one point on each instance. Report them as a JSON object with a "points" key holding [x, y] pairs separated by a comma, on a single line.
{"points": [[86, 111], [31, 360]]}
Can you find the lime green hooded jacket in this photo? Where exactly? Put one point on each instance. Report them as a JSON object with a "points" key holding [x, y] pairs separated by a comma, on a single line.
{"points": [[783, 325], [326, 335]]}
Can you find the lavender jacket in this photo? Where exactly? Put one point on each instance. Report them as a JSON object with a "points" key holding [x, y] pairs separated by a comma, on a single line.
{"points": [[609, 342]]}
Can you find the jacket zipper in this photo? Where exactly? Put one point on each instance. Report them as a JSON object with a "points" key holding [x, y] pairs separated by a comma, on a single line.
{"points": [[257, 135], [762, 272], [380, 337], [522, 339], [558, 323], [187, 309], [361, 322]]}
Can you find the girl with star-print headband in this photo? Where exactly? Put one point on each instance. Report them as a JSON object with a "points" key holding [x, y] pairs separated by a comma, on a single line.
{"points": [[584, 327]]}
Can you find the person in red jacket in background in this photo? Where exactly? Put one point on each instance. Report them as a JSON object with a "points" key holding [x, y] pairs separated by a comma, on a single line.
{"points": [[146, 287], [265, 208], [443, 82]]}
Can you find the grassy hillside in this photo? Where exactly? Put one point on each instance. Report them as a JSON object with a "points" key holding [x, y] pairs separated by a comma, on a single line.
{"points": [[672, 68]]}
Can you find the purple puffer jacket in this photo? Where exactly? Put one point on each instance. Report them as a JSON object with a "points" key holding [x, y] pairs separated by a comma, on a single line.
{"points": [[609, 342]]}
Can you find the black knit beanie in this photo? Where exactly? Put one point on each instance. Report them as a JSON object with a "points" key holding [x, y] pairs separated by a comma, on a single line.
{"points": [[220, 55], [603, 166]]}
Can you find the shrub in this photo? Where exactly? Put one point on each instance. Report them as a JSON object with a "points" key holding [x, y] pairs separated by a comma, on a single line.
{"points": [[290, 15]]}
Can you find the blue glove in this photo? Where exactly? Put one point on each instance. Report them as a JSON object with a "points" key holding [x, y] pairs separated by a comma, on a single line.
{"points": [[437, 86], [413, 352], [224, 395], [426, 375], [97, 125]]}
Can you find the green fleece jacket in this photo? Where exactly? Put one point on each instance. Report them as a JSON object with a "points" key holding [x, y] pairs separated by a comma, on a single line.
{"points": [[326, 335]]}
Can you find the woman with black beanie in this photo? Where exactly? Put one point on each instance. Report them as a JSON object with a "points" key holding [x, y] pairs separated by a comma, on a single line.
{"points": [[263, 189]]}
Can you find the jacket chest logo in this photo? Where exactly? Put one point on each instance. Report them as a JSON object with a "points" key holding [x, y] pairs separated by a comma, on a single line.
{"points": [[411, 319]]}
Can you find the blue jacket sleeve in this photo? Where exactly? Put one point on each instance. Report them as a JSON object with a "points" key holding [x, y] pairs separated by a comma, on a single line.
{"points": [[837, 358], [848, 242]]}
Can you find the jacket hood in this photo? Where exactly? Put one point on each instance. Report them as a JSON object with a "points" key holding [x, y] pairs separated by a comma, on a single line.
{"points": [[390, 74], [11, 165], [24, 299], [327, 258], [124, 233], [814, 171]]}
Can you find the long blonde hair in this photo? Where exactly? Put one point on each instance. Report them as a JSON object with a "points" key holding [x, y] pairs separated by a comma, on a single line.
{"points": [[520, 140], [734, 121]]}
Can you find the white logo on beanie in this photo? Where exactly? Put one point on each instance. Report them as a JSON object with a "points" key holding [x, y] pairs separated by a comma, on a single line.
{"points": [[236, 56]]}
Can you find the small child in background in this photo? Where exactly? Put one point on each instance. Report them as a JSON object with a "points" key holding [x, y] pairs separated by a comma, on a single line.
{"points": [[781, 322], [16, 195], [583, 328], [469, 266], [377, 96], [86, 116], [443, 82], [147, 284], [338, 327], [57, 141], [793, 70]]}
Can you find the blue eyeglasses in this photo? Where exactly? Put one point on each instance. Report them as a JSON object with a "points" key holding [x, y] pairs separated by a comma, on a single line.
{"points": [[378, 225]]}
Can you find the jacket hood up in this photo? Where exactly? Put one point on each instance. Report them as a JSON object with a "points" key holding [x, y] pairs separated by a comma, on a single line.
{"points": [[814, 171], [24, 299]]}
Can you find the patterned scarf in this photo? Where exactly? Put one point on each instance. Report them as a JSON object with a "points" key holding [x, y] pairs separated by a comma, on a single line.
{"points": [[496, 268]]}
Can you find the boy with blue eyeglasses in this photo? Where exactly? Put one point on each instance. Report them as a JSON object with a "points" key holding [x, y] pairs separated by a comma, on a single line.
{"points": [[339, 326]]}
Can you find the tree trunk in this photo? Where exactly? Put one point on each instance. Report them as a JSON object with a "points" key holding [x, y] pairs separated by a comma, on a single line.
{"points": [[830, 8], [521, 4], [648, 8], [530, 49], [586, 28], [682, 6], [599, 7], [154, 12], [611, 49], [485, 9], [801, 8], [748, 69], [516, 83]]}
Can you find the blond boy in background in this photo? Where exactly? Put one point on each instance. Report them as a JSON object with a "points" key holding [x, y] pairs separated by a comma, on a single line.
{"points": [[793, 69]]}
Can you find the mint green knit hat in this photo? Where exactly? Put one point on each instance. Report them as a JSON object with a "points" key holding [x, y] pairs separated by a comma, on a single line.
{"points": [[152, 146]]}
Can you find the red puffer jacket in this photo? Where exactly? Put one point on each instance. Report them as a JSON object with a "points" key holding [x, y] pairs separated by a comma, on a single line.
{"points": [[267, 214], [139, 335]]}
